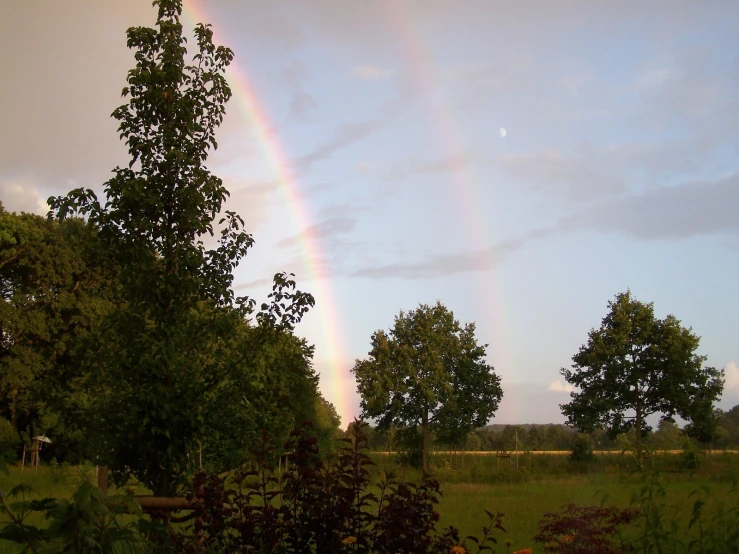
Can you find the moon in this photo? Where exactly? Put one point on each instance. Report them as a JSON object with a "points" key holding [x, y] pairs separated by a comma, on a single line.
{"points": [[503, 132]]}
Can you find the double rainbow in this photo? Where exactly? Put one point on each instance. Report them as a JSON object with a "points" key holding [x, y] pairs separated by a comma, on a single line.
{"points": [[420, 62], [274, 154]]}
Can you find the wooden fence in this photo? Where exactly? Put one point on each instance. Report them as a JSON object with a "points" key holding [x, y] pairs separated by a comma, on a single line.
{"points": [[547, 452]]}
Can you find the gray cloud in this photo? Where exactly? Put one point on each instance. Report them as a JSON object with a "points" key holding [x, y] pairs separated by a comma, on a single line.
{"points": [[445, 265], [667, 213], [22, 195], [564, 175], [346, 134], [256, 283], [351, 132], [448, 164], [370, 72], [64, 78], [327, 230], [529, 403], [301, 103]]}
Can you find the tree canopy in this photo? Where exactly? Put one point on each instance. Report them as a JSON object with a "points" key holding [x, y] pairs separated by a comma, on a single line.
{"points": [[163, 366], [53, 291], [635, 365], [428, 371]]}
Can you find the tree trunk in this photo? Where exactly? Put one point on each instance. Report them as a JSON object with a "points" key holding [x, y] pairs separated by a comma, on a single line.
{"points": [[424, 451], [162, 485], [13, 418]]}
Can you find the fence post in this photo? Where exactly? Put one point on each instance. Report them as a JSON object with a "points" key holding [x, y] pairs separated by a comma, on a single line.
{"points": [[103, 478]]}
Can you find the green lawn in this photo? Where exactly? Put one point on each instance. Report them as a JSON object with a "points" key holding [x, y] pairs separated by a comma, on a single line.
{"points": [[523, 495], [524, 504]]}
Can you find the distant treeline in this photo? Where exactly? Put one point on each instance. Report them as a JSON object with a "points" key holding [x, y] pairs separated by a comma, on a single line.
{"points": [[537, 437]]}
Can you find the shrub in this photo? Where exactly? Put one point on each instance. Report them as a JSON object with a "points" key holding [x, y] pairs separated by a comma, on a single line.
{"points": [[581, 449], [10, 441], [584, 530], [88, 523], [321, 507]]}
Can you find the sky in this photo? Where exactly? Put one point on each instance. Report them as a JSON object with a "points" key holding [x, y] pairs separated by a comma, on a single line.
{"points": [[522, 162]]}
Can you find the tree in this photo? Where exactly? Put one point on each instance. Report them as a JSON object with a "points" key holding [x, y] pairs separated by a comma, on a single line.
{"points": [[635, 365], [53, 291], [161, 363], [271, 388], [425, 372]]}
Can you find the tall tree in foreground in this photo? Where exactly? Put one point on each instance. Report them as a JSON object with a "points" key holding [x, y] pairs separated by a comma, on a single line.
{"points": [[428, 371], [162, 363], [635, 365]]}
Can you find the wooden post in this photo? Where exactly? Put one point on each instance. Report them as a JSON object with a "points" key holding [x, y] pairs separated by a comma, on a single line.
{"points": [[103, 478], [23, 459]]}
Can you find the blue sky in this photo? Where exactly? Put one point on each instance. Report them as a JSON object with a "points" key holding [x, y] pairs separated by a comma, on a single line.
{"points": [[618, 168]]}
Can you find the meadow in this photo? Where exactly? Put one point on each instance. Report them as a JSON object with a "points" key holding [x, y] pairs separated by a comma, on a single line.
{"points": [[542, 483], [547, 482]]}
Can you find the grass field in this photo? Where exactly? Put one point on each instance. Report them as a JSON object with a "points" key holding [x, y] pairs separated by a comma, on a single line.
{"points": [[541, 484]]}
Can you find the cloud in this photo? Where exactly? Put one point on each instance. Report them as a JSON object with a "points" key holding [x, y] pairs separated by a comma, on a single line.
{"points": [[22, 195], [444, 265], [452, 163], [668, 212], [351, 132], [527, 403], [249, 200], [653, 78], [554, 172], [67, 78], [731, 376], [560, 386], [370, 72], [574, 84], [301, 103], [256, 283], [324, 231], [346, 134]]}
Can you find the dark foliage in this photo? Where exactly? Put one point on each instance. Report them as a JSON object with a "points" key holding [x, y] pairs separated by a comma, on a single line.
{"points": [[585, 530], [316, 506]]}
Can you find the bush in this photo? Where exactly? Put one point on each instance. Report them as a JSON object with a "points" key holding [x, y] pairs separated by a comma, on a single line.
{"points": [[690, 458], [319, 507], [312, 507], [581, 449], [10, 441], [584, 530]]}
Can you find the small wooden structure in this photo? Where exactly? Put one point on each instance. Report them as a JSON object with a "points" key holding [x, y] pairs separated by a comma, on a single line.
{"points": [[33, 451], [286, 455], [504, 455]]}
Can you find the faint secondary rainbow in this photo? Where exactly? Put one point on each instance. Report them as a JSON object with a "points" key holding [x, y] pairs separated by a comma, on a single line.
{"points": [[421, 66], [271, 148]]}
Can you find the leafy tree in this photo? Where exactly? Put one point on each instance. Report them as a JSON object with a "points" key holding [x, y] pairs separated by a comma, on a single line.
{"points": [[272, 388], [668, 435], [54, 290], [426, 371], [729, 423], [635, 365], [473, 443], [327, 425], [162, 364]]}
